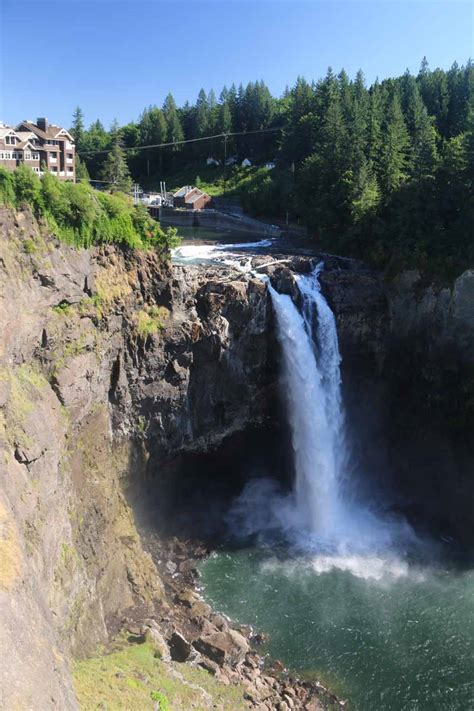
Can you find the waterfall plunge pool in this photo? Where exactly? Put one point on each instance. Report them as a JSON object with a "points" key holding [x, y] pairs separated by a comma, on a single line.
{"points": [[382, 632]]}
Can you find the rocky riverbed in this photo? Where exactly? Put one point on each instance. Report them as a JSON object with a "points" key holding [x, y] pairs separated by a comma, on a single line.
{"points": [[187, 630]]}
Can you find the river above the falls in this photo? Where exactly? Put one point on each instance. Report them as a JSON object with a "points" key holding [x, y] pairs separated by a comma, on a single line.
{"points": [[382, 632]]}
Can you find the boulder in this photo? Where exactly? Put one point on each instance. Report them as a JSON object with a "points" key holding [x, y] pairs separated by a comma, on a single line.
{"points": [[227, 647], [180, 649], [155, 638]]}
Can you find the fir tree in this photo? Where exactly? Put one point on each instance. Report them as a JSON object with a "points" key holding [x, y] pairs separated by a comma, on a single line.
{"points": [[77, 129], [394, 153], [174, 128], [115, 169]]}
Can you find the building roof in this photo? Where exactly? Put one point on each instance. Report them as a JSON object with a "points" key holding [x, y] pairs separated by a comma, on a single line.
{"points": [[51, 132], [25, 135], [26, 144], [5, 130], [182, 192], [198, 195]]}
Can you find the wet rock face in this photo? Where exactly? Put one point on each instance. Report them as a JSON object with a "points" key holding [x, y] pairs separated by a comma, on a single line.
{"points": [[436, 315], [206, 375], [355, 294]]}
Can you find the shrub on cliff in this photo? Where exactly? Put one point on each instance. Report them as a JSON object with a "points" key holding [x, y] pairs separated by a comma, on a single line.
{"points": [[79, 215]]}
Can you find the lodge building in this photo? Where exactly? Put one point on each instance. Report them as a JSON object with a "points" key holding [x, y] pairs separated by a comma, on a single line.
{"points": [[41, 145]]}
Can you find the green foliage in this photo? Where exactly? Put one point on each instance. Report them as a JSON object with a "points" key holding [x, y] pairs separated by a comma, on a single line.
{"points": [[63, 308], [150, 320], [81, 216], [29, 246], [27, 187], [115, 171], [163, 704], [7, 187], [81, 170], [77, 129]]}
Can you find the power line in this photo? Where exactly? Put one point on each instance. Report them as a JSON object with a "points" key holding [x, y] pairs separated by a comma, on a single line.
{"points": [[188, 140]]}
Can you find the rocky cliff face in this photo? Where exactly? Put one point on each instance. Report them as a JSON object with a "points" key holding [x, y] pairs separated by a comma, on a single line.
{"points": [[429, 371], [440, 315], [101, 350]]}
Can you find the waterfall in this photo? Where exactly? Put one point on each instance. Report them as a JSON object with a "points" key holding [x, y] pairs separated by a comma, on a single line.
{"points": [[312, 386]]}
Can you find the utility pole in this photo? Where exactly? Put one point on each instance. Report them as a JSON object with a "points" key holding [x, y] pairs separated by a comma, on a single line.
{"points": [[225, 160]]}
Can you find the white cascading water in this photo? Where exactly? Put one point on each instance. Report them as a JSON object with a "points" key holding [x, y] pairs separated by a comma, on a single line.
{"points": [[312, 386], [343, 531]]}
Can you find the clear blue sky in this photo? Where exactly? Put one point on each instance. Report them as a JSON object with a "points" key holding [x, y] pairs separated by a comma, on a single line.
{"points": [[114, 57]]}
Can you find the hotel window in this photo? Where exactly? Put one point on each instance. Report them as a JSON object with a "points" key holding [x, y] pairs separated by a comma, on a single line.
{"points": [[54, 169], [27, 155], [36, 156], [8, 155]]}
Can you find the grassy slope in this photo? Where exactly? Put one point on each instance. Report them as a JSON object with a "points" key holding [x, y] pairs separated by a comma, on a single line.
{"points": [[129, 676]]}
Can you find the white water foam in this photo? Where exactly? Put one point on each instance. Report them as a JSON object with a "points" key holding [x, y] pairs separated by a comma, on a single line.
{"points": [[372, 567], [198, 253]]}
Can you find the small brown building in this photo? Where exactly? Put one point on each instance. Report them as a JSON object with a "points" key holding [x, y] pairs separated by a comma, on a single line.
{"points": [[41, 145], [192, 198]]}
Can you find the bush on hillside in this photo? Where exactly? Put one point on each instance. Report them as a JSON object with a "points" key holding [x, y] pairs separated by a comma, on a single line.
{"points": [[81, 216]]}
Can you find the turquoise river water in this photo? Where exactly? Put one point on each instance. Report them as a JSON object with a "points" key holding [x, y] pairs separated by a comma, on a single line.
{"points": [[380, 632]]}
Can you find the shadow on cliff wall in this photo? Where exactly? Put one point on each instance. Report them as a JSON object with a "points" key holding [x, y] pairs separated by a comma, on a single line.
{"points": [[189, 493]]}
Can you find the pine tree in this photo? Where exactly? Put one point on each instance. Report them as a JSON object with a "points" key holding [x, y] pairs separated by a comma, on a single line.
{"points": [[225, 119], [115, 170], [425, 155], [82, 174], [174, 128], [152, 126], [202, 115], [394, 153], [365, 192], [224, 95], [211, 100], [152, 131], [374, 128], [77, 129]]}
